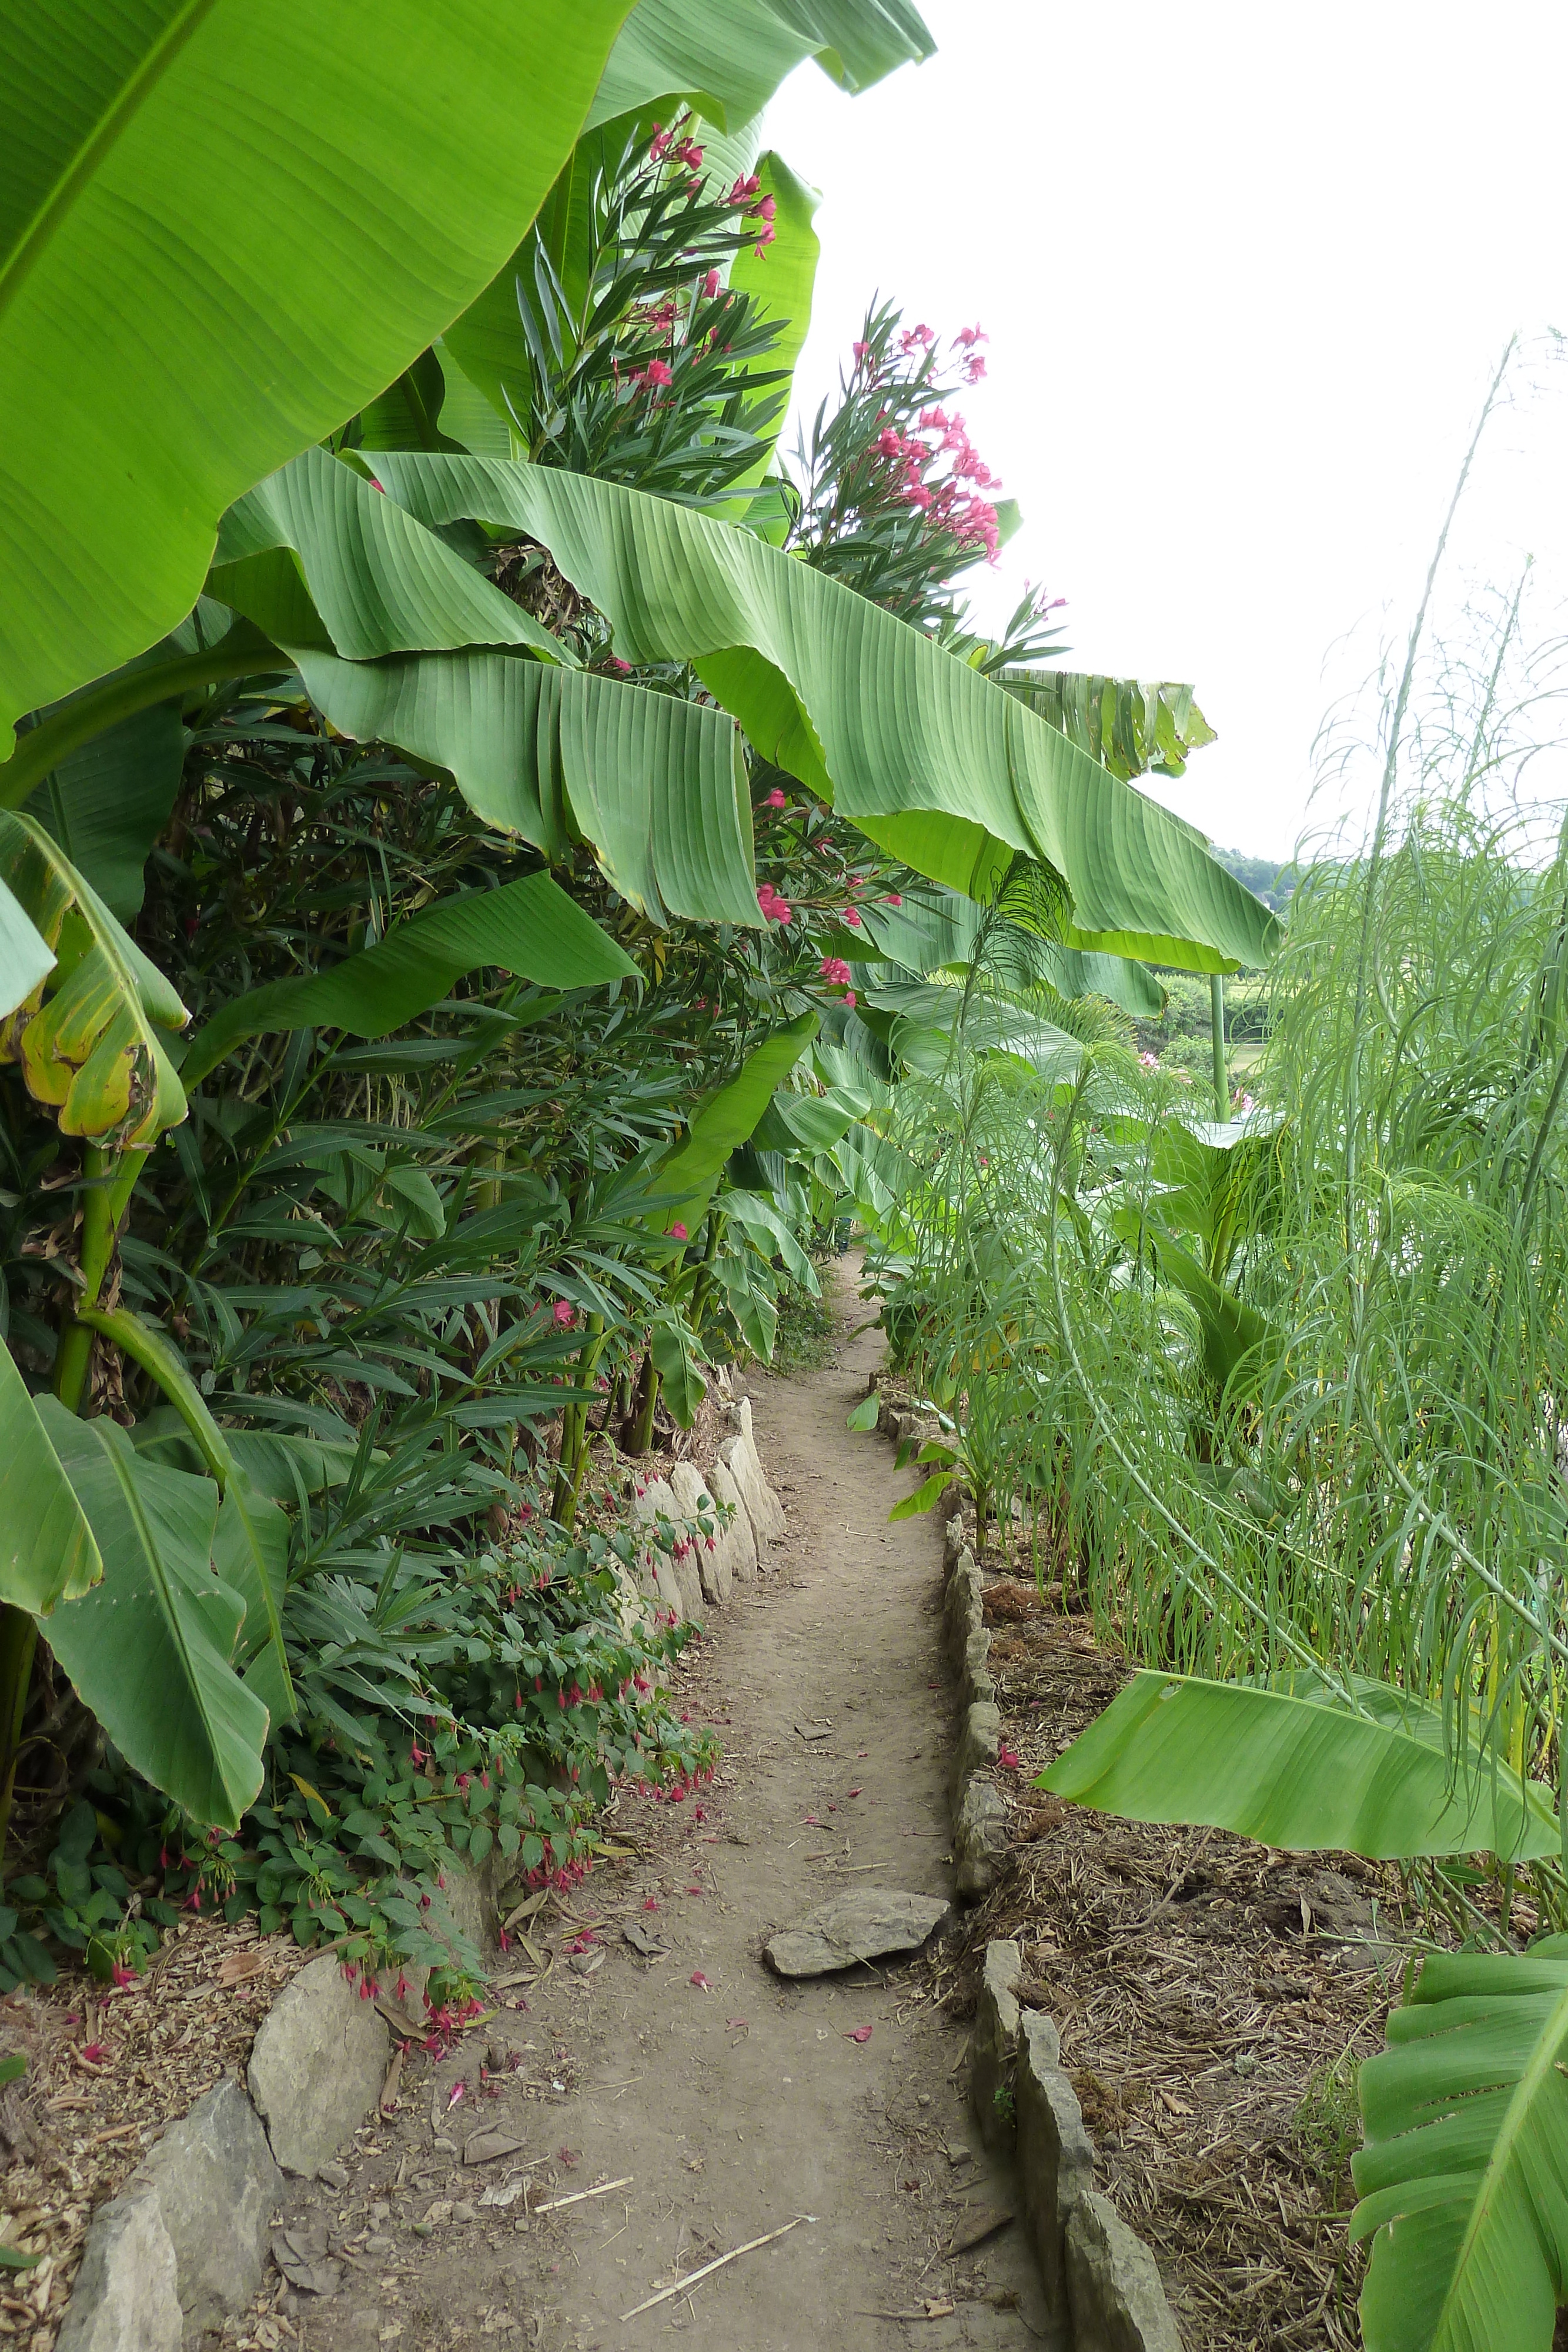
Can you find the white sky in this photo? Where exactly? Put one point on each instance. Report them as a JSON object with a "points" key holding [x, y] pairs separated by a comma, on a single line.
{"points": [[1246, 273]]}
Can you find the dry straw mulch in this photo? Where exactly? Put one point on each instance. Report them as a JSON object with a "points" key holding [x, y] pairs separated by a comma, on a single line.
{"points": [[1213, 1999], [107, 2070]]}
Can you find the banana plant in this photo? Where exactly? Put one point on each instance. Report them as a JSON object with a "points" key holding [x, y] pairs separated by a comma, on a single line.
{"points": [[1464, 2116], [933, 761]]}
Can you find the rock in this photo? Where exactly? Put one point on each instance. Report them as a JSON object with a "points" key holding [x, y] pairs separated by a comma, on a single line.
{"points": [[860, 1927], [980, 1838], [217, 2189], [766, 1512], [317, 2066], [488, 2147], [977, 1687], [301, 2255], [693, 1493], [993, 2051], [126, 2296], [1056, 2163], [463, 2212], [979, 1747], [336, 2176], [1114, 2286], [738, 1541], [471, 1899], [655, 1569], [963, 1607], [952, 1542]]}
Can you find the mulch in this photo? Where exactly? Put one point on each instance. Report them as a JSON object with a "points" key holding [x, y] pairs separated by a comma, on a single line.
{"points": [[108, 2068], [1213, 1999]]}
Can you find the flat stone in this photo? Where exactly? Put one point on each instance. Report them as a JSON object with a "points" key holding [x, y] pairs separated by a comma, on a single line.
{"points": [[980, 1838], [994, 2048], [652, 1500], [1114, 2286], [963, 1607], [738, 1541], [126, 2296], [1056, 2162], [217, 2189], [860, 1927], [977, 1689], [696, 1498], [766, 1512], [318, 2065]]}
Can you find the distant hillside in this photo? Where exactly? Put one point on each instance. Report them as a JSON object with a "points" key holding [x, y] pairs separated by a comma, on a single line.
{"points": [[1266, 877]]}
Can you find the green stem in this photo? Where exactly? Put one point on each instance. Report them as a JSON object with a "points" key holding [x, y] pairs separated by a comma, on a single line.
{"points": [[242, 653], [574, 1431], [1216, 1040], [103, 1206], [648, 1394], [18, 1640]]}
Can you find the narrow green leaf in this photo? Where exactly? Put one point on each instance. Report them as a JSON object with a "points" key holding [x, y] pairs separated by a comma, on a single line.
{"points": [[924, 1498]]}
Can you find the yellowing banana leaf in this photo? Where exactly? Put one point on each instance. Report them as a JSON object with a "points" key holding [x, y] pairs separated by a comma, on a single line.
{"points": [[655, 785], [1295, 1769], [224, 226], [529, 927], [48, 1550], [1126, 724], [87, 1038], [150, 1647], [944, 768], [1463, 2178]]}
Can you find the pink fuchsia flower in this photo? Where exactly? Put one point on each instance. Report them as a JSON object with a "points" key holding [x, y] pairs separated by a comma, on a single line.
{"points": [[1008, 1758], [679, 1233], [565, 1313], [776, 799], [95, 2053], [122, 1976]]}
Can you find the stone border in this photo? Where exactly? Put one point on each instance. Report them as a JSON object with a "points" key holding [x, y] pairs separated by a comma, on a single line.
{"points": [[1102, 2287], [183, 2243]]}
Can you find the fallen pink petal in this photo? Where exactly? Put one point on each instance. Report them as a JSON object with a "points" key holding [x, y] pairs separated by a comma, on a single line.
{"points": [[700, 1981], [861, 2033]]}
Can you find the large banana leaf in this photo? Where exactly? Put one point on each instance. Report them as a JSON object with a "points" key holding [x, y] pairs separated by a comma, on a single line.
{"points": [[1127, 725], [349, 583], [657, 786], [945, 769], [149, 1648], [89, 1046], [48, 1551], [529, 927], [780, 279], [936, 930], [225, 225], [109, 799], [25, 957], [1464, 2176], [1287, 1766], [729, 57], [728, 1119]]}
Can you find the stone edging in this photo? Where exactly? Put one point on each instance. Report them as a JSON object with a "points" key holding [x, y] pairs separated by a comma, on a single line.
{"points": [[184, 2243], [1102, 2287]]}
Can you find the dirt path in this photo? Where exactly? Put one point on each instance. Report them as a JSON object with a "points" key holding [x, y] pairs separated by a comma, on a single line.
{"points": [[738, 2103]]}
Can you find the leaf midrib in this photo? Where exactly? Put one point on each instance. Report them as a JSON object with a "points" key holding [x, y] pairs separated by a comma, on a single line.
{"points": [[58, 203]]}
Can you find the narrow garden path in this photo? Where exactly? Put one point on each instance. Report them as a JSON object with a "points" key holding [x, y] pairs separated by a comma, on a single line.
{"points": [[729, 2102]]}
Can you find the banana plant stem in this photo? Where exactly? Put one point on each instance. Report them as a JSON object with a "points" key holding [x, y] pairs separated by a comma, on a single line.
{"points": [[1217, 1039]]}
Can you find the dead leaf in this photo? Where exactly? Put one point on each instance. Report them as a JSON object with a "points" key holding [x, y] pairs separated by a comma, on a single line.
{"points": [[980, 2222], [301, 2256], [641, 1941], [238, 1967]]}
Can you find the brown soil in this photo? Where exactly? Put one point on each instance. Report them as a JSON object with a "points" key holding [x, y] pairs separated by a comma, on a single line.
{"points": [[734, 2103]]}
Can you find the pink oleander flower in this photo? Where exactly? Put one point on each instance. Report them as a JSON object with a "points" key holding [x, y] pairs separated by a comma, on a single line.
{"points": [[691, 154], [835, 969], [893, 898], [850, 997], [933, 420], [853, 918], [565, 1313], [860, 351], [744, 190], [659, 146], [679, 1233], [656, 373], [976, 369], [969, 336], [774, 799], [621, 669], [889, 442], [765, 240], [1008, 1758], [711, 284]]}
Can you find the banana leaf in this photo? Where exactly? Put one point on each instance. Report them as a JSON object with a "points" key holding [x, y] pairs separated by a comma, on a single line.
{"points": [[26, 958], [729, 57], [1463, 2180], [48, 1550], [724, 1121], [1127, 724], [942, 768], [529, 927], [150, 1647], [1286, 1766], [224, 226]]}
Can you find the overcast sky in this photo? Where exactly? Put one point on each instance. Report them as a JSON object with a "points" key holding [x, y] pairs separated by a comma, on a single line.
{"points": [[1246, 275]]}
